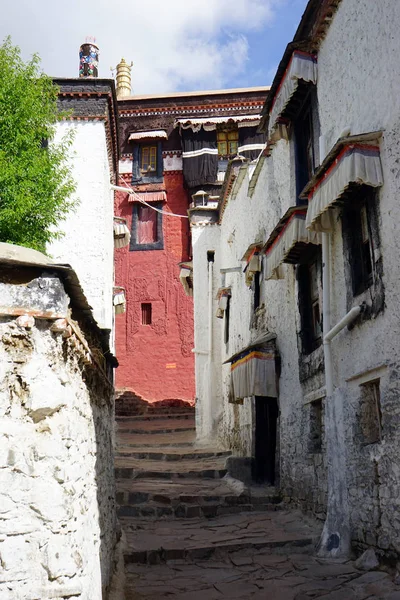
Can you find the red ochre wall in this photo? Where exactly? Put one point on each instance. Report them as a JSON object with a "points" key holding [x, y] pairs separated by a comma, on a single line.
{"points": [[156, 361]]}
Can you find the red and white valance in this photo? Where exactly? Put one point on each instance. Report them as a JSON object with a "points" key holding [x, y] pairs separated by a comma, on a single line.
{"points": [[253, 370], [210, 123], [186, 277], [253, 262], [122, 234], [146, 135], [355, 163], [160, 196], [119, 300], [302, 66], [286, 242]]}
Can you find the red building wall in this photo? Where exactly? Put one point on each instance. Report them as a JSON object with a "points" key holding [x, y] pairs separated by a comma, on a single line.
{"points": [[156, 361]]}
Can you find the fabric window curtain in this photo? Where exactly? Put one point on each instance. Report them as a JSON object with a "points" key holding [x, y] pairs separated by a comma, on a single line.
{"points": [[200, 157], [250, 142], [147, 225], [294, 232], [302, 66], [253, 373], [355, 164]]}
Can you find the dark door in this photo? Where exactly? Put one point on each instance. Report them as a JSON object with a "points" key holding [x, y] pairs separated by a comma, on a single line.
{"points": [[265, 439]]}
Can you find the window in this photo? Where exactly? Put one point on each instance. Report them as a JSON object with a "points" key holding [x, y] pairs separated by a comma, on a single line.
{"points": [[370, 412], [315, 439], [358, 218], [309, 277], [146, 313], [306, 130], [228, 142], [226, 323], [148, 159], [146, 231], [147, 163], [256, 286], [147, 225]]}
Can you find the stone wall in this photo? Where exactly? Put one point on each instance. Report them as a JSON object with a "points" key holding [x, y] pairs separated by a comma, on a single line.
{"points": [[58, 527], [351, 78]]}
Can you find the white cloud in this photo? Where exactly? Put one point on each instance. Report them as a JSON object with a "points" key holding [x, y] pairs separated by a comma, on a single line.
{"points": [[174, 44]]}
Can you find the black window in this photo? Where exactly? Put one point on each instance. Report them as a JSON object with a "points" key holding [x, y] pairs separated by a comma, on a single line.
{"points": [[226, 323], [147, 164], [360, 233], [309, 275], [306, 131], [146, 313], [256, 287], [146, 233]]}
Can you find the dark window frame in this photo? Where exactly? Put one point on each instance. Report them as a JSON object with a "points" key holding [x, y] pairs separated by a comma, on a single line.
{"points": [[305, 134], [361, 239], [153, 176], [227, 314], [256, 290], [309, 304], [159, 244], [147, 313]]}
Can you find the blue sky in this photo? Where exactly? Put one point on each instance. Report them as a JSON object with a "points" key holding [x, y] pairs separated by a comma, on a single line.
{"points": [[179, 45]]}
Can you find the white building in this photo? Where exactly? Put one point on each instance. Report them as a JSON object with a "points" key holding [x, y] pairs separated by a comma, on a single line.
{"points": [[324, 417], [88, 241]]}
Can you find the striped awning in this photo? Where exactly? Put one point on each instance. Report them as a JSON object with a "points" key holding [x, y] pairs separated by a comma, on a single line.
{"points": [[186, 277], [253, 370], [145, 135], [286, 243], [148, 197], [353, 163], [119, 300], [122, 234], [302, 66], [210, 123]]}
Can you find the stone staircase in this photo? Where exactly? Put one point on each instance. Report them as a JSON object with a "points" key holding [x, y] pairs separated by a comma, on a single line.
{"points": [[177, 502]]}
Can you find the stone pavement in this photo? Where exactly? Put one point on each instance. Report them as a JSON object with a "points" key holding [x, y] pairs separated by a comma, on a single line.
{"points": [[193, 533]]}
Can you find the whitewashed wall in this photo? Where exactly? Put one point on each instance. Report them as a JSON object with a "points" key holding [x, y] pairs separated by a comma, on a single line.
{"points": [[58, 525], [208, 379], [88, 243], [358, 80]]}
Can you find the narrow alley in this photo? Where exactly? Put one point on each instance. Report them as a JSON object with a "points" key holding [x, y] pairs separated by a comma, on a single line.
{"points": [[194, 533]]}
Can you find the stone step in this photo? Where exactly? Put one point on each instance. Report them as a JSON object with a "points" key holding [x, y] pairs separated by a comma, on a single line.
{"points": [[132, 468], [191, 491], [152, 510], [156, 428], [162, 440], [170, 454], [154, 417], [193, 498], [157, 541], [124, 472]]}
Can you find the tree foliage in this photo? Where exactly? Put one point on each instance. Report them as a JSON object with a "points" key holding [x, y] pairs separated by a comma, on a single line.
{"points": [[36, 183]]}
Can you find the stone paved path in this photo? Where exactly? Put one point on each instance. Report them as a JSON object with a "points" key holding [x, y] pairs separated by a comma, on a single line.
{"points": [[193, 533]]}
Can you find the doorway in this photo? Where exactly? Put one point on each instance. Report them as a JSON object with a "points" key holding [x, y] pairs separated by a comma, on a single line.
{"points": [[266, 420]]}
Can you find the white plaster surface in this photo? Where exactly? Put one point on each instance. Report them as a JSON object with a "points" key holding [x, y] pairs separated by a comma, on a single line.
{"points": [[57, 497], [88, 243], [358, 78]]}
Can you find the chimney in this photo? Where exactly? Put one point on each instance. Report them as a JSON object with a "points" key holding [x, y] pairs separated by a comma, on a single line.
{"points": [[124, 79], [88, 58]]}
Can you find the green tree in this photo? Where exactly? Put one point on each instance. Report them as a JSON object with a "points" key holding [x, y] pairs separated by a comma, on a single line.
{"points": [[36, 183]]}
